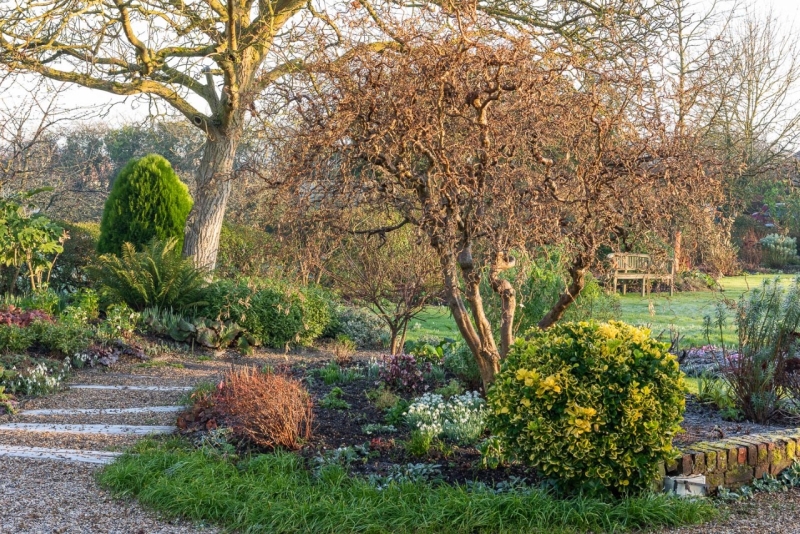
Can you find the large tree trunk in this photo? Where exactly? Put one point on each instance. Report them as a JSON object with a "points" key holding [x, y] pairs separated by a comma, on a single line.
{"points": [[211, 198]]}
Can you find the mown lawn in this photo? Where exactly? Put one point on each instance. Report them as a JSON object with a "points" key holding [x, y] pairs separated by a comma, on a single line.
{"points": [[683, 312]]}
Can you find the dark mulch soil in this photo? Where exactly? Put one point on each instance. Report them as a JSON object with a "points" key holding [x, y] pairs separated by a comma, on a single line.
{"points": [[342, 428]]}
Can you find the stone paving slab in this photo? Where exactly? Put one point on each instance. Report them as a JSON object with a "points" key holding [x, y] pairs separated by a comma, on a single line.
{"points": [[131, 388], [104, 411], [88, 429], [68, 455]]}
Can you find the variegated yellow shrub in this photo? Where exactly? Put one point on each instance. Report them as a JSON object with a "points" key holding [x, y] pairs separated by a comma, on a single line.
{"points": [[589, 404]]}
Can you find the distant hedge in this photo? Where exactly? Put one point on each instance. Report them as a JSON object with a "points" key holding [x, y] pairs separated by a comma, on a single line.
{"points": [[147, 201]]}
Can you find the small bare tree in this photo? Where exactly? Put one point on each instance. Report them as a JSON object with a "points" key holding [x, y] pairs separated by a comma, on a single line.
{"points": [[392, 273]]}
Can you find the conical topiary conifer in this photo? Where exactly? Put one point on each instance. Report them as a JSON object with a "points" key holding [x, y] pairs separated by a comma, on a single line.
{"points": [[147, 201]]}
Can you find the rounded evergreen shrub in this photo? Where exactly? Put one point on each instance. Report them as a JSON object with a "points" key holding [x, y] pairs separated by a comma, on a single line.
{"points": [[592, 405], [147, 201]]}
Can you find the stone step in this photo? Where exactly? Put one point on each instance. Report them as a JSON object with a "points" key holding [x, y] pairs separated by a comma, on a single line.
{"points": [[67, 455], [104, 411], [131, 388], [129, 430]]}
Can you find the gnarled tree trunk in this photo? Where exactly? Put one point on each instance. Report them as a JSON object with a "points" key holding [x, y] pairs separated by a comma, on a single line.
{"points": [[211, 197]]}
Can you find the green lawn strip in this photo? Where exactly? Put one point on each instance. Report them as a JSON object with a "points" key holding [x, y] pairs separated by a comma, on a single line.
{"points": [[276, 493], [685, 311]]}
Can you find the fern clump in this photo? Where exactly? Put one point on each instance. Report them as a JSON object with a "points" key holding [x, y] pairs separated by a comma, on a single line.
{"points": [[148, 201], [156, 276]]}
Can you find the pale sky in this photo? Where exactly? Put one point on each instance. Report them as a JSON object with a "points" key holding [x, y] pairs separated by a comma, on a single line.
{"points": [[132, 109]]}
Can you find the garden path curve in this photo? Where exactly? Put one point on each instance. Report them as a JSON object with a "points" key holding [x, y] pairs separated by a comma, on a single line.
{"points": [[51, 448]]}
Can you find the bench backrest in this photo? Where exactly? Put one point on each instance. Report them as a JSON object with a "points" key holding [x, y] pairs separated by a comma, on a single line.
{"points": [[623, 262]]}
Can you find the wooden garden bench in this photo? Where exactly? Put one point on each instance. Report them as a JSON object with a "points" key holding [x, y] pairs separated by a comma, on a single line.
{"points": [[641, 267]]}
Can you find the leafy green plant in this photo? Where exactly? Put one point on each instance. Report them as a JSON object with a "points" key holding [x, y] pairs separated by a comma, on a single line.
{"points": [[539, 278], [70, 272], [86, 299], [459, 360], [15, 338], [382, 398], [419, 443], [334, 401], [7, 403], [716, 392], [452, 389], [591, 405], [343, 349], [156, 276], [427, 350], [376, 428], [148, 202], [120, 321], [29, 242], [362, 326], [779, 250], [396, 415], [21, 374], [767, 319], [332, 373], [461, 419], [276, 315], [67, 337]]}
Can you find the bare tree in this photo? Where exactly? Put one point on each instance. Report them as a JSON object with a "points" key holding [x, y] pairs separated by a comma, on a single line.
{"points": [[758, 124], [209, 59], [486, 146], [389, 271]]}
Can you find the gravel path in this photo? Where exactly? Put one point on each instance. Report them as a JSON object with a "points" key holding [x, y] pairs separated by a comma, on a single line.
{"points": [[38, 497], [766, 513], [52, 496]]}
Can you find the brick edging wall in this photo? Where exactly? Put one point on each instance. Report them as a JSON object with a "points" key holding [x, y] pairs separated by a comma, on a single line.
{"points": [[737, 461]]}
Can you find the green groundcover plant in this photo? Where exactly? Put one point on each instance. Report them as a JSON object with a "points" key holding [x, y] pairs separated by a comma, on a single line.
{"points": [[591, 405], [278, 493]]}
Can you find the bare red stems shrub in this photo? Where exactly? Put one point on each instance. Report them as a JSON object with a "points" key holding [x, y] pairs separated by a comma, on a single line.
{"points": [[267, 409]]}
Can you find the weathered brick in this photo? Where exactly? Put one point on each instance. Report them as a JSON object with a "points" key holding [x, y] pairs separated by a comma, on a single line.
{"points": [[740, 475], [699, 463], [672, 466], [763, 455], [714, 480], [761, 470], [722, 461], [733, 457], [791, 449], [686, 464], [742, 456], [711, 461]]}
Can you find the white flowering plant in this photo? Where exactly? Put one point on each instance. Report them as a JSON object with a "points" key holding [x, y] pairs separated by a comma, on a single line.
{"points": [[461, 418], [33, 377]]}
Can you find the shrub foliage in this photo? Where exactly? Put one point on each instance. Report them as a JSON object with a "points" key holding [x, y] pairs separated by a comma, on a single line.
{"points": [[270, 410], [275, 314], [590, 404], [148, 201]]}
